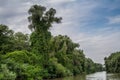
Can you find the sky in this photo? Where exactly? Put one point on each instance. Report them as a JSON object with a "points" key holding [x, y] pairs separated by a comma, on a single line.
{"points": [[94, 24]]}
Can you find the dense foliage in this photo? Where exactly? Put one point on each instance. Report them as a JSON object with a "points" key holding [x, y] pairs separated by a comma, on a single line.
{"points": [[92, 67], [112, 63], [40, 55]]}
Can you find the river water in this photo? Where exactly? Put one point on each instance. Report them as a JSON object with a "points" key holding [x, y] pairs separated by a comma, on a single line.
{"points": [[95, 76]]}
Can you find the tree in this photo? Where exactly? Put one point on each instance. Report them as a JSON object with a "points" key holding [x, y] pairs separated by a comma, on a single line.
{"points": [[67, 54], [112, 63], [40, 19], [40, 23], [5, 39], [21, 41], [89, 65]]}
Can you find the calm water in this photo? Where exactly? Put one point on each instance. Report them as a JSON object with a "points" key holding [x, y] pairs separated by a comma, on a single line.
{"points": [[95, 76]]}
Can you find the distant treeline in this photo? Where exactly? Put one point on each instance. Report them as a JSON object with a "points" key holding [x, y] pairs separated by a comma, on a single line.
{"points": [[39, 55], [112, 63]]}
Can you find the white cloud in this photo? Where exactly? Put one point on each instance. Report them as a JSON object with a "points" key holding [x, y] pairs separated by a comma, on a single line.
{"points": [[114, 20], [19, 23], [99, 46], [60, 1], [74, 16], [1, 10]]}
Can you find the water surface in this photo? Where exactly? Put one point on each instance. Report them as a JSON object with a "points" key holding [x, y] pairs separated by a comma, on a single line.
{"points": [[95, 76]]}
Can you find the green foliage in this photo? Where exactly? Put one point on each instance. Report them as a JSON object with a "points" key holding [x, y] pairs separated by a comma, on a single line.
{"points": [[99, 67], [24, 64], [92, 67], [112, 63], [5, 39], [89, 65], [67, 54], [40, 19], [21, 41], [40, 22], [6, 74], [22, 57], [59, 69], [10, 41]]}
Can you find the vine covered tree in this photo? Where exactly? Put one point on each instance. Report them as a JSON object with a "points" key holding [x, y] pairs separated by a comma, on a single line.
{"points": [[40, 23]]}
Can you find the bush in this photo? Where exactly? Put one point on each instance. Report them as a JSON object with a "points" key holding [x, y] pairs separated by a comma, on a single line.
{"points": [[24, 64], [6, 74]]}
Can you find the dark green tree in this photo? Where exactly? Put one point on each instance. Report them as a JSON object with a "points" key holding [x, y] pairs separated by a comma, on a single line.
{"points": [[40, 23], [112, 63], [67, 54], [21, 41], [5, 39]]}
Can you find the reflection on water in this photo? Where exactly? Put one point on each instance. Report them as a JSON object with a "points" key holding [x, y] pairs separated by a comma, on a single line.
{"points": [[113, 76], [79, 77], [95, 76]]}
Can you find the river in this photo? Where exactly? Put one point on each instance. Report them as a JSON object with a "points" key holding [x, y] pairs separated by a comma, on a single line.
{"points": [[95, 76]]}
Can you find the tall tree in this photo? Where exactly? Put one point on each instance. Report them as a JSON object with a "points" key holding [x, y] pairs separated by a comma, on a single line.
{"points": [[40, 23]]}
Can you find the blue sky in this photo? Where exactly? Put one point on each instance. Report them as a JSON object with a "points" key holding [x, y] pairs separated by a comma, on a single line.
{"points": [[94, 24]]}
